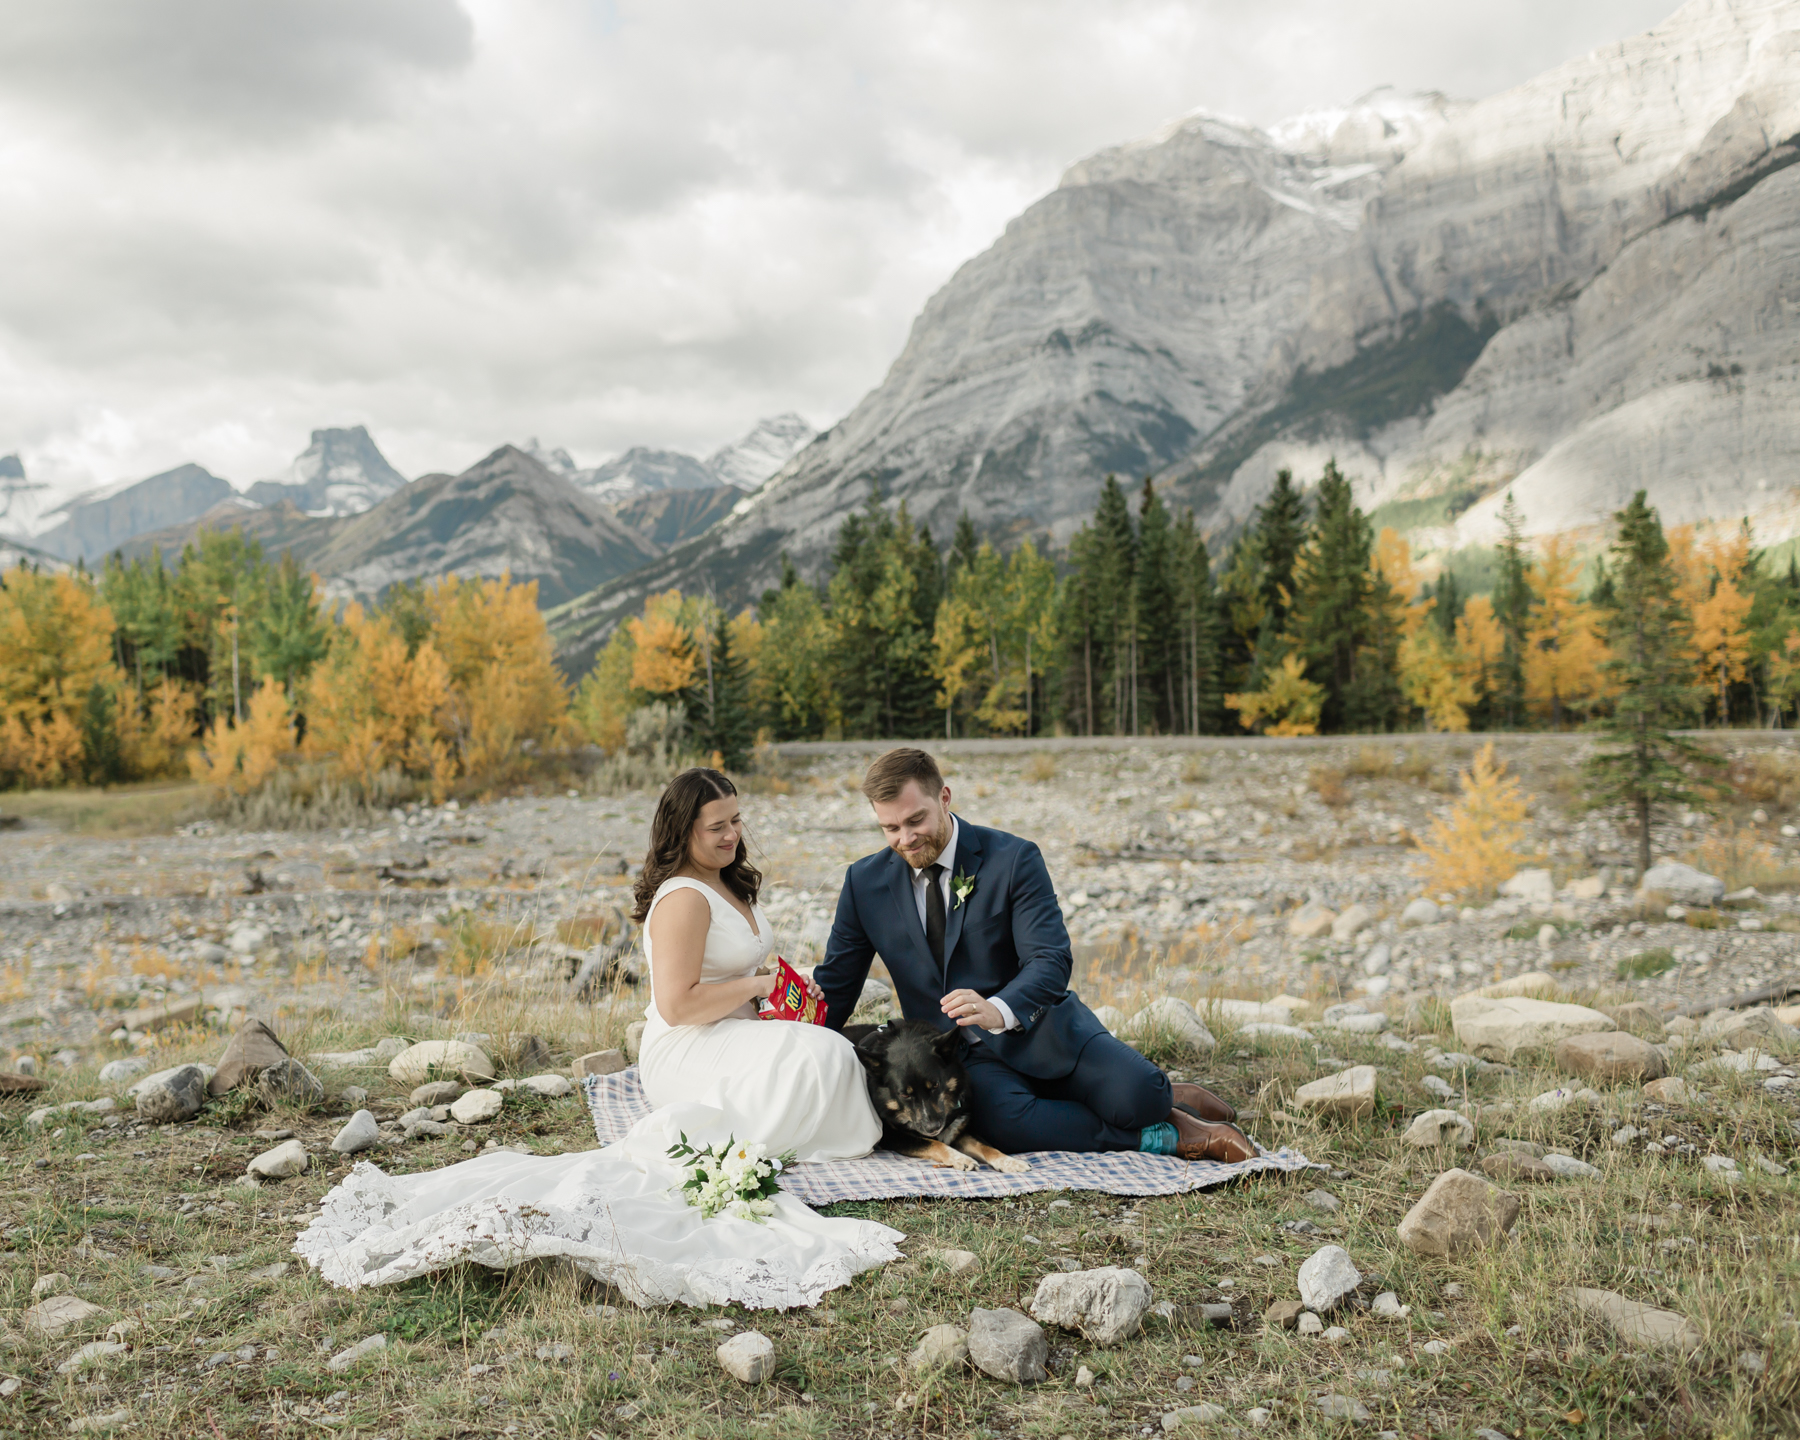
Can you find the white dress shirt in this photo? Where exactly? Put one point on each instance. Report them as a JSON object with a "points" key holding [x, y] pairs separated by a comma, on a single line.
{"points": [[948, 861]]}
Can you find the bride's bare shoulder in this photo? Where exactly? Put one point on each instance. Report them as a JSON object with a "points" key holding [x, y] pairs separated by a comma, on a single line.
{"points": [[682, 903]]}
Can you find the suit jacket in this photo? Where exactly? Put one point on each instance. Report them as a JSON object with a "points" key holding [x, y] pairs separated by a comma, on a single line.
{"points": [[1006, 940]]}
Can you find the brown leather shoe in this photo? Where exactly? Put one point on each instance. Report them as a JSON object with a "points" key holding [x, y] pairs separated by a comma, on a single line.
{"points": [[1209, 1139], [1200, 1102]]}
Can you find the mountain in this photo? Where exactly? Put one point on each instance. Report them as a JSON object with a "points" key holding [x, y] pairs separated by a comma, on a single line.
{"points": [[505, 514], [644, 471], [90, 525], [1570, 289], [341, 472], [278, 528], [23, 502], [672, 517], [771, 443]]}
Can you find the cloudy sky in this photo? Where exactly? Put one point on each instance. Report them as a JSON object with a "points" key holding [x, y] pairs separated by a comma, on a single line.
{"points": [[463, 222]]}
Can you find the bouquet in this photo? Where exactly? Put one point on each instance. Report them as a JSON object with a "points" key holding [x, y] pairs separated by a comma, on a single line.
{"points": [[730, 1179]]}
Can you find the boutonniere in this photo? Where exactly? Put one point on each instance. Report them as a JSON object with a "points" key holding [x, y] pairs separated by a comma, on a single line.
{"points": [[963, 886]]}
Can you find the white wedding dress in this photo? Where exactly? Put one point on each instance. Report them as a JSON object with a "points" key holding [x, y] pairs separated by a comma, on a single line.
{"points": [[613, 1212]]}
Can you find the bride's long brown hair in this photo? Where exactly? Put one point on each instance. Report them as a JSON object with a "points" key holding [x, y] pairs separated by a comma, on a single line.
{"points": [[672, 831]]}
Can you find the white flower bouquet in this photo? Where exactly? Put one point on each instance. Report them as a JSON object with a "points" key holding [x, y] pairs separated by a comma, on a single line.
{"points": [[736, 1178]]}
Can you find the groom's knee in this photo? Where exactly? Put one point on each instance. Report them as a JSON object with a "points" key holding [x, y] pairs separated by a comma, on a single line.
{"points": [[1125, 1090]]}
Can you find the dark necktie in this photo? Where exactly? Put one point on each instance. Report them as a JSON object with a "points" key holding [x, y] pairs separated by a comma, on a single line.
{"points": [[934, 913]]}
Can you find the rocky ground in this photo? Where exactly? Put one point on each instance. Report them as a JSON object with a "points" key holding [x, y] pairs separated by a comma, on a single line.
{"points": [[1215, 874]]}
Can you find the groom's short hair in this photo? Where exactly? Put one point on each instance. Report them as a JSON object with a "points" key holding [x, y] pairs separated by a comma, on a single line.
{"points": [[887, 777]]}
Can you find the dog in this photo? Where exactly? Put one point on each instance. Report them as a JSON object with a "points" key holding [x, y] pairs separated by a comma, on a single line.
{"points": [[921, 1092]]}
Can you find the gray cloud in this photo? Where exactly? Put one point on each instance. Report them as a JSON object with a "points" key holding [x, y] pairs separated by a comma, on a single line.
{"points": [[642, 223]]}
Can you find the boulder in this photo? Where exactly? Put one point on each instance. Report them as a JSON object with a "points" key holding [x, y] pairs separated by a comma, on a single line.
{"points": [[1610, 1058], [1326, 1277], [477, 1106], [1105, 1305], [1352, 923], [1311, 921], [748, 1356], [285, 1161], [388, 1047], [1757, 1029], [117, 1072], [1350, 1093], [289, 1083], [1637, 1018], [1110, 1016], [1172, 1019], [1420, 912], [1437, 1128], [599, 1062], [171, 1095], [437, 1092], [1671, 1090], [1457, 1214], [358, 1134], [1516, 1167], [1533, 886], [440, 1060], [1008, 1346], [253, 1049], [1636, 1323], [551, 1087], [1498, 1028], [1681, 884], [1537, 983], [942, 1347], [59, 1313]]}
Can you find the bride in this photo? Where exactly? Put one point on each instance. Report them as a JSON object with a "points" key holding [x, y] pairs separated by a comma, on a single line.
{"points": [[710, 1068]]}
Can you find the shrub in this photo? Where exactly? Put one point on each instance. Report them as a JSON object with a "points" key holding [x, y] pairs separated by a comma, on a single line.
{"points": [[1646, 964], [1740, 857], [1328, 783], [1479, 846], [1040, 769]]}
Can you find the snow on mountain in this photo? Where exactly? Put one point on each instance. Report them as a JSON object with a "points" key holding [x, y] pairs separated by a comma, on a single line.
{"points": [[26, 506], [342, 472], [771, 443]]}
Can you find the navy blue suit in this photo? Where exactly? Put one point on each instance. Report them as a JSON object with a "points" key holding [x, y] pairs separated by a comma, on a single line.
{"points": [[1057, 1082]]}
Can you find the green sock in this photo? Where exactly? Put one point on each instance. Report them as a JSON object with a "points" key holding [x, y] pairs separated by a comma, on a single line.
{"points": [[1158, 1139]]}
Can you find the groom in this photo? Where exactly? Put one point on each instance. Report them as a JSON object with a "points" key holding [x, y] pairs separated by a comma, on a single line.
{"points": [[966, 920]]}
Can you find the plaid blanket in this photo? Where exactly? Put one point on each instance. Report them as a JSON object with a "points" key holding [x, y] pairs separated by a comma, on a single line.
{"points": [[617, 1103]]}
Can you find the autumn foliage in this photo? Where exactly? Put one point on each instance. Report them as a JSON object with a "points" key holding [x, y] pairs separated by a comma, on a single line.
{"points": [[1481, 843]]}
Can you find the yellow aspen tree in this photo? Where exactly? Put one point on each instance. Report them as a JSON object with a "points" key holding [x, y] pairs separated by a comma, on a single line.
{"points": [[1719, 595], [603, 699], [1481, 843], [240, 758], [1392, 561], [370, 705], [1480, 645], [55, 646], [1434, 681], [1564, 654], [1288, 705], [665, 658]]}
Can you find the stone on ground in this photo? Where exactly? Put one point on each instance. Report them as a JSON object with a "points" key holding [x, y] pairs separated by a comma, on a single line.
{"points": [[749, 1357], [59, 1313], [172, 1095], [1496, 1028], [87, 1354], [1341, 1407], [1352, 922], [599, 1062], [1682, 884], [1387, 1305], [253, 1049], [477, 1106], [1309, 1324], [440, 1060], [1008, 1346], [942, 1347], [94, 1424], [1106, 1305], [1283, 1314], [1350, 1093], [289, 1083], [1457, 1214], [957, 1262], [1636, 1323], [1326, 1277], [1610, 1058], [1173, 1019], [1672, 1090], [1637, 1018], [1436, 1128], [1420, 912], [1310, 921], [117, 1072], [345, 1358], [437, 1092], [551, 1087], [359, 1133], [1532, 886], [1516, 1167], [1567, 1167], [1538, 983], [285, 1161], [1756, 1029], [1194, 1417]]}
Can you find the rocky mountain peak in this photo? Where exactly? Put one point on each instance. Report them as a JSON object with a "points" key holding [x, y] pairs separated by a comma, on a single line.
{"points": [[341, 472], [750, 460]]}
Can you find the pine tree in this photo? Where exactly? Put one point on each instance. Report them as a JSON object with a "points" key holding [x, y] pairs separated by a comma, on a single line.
{"points": [[1157, 635], [729, 728], [1114, 556], [884, 593], [1447, 604], [1197, 622], [1082, 628], [962, 546], [1651, 670], [1331, 622], [1512, 608], [1280, 531]]}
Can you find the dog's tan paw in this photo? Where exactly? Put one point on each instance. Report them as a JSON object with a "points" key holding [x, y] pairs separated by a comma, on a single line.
{"points": [[955, 1160], [1010, 1165]]}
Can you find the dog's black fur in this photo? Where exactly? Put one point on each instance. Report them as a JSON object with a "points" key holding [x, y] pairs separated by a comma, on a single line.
{"points": [[921, 1091]]}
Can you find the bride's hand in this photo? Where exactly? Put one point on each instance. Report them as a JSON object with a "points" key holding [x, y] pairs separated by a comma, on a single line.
{"points": [[764, 985]]}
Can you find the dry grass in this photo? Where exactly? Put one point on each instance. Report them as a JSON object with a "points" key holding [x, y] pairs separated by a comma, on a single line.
{"points": [[1371, 762], [1327, 782], [1040, 769], [1193, 771], [152, 808], [1767, 777], [1741, 857]]}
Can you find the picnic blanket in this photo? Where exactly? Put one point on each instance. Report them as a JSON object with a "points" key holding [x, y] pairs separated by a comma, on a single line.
{"points": [[617, 1103]]}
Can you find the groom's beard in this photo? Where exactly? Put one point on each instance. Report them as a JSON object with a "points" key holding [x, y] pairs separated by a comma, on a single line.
{"points": [[928, 850]]}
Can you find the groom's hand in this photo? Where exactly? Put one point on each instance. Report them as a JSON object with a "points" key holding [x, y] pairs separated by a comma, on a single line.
{"points": [[965, 1007]]}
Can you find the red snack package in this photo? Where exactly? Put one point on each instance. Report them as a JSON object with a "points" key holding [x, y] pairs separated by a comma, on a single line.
{"points": [[789, 1000]]}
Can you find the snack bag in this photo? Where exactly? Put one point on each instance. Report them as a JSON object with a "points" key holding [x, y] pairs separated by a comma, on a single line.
{"points": [[790, 1000]]}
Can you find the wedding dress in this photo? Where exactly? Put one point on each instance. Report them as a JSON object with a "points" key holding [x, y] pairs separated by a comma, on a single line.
{"points": [[614, 1212]]}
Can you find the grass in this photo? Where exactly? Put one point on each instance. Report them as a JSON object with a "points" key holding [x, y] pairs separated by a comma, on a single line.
{"points": [[1646, 964], [842, 1366], [150, 808]]}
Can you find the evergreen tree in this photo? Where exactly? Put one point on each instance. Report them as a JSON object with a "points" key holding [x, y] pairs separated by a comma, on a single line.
{"points": [[1114, 557], [962, 546], [1602, 594], [728, 726], [883, 594], [1448, 604], [1330, 623], [1652, 674], [1197, 625], [1512, 608], [1280, 531], [288, 636], [1158, 633], [790, 577], [1082, 626]]}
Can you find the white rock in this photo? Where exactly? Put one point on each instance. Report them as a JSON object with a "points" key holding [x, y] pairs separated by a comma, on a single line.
{"points": [[1376, 960], [1309, 1324], [94, 1424], [1271, 1030], [1437, 1128], [1531, 886], [389, 1046], [1436, 1347], [1326, 1277], [1365, 1024], [1106, 1305], [1352, 923], [89, 1353], [1194, 1417], [1387, 1305], [747, 1358], [477, 1106], [1567, 1167], [1175, 1020], [957, 1262], [1112, 1017], [942, 1347], [1246, 1012], [248, 939], [342, 1059], [1720, 1164], [138, 1087], [1637, 1323], [440, 1060], [552, 1087], [1497, 1028], [344, 1359], [1311, 921], [59, 1313], [117, 1072], [1008, 1346], [359, 1133], [1682, 884], [1420, 912], [1350, 1092], [285, 1161]]}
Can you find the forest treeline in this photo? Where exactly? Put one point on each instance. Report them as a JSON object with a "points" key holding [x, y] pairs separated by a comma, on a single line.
{"points": [[229, 665]]}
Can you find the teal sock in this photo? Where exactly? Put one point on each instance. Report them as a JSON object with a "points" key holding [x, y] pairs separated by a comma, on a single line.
{"points": [[1158, 1139]]}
